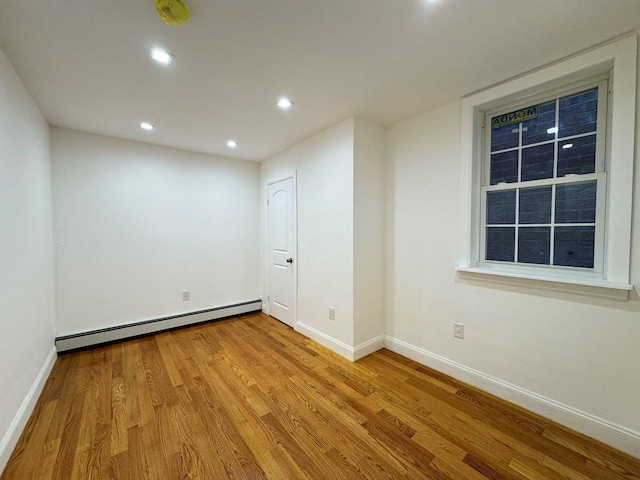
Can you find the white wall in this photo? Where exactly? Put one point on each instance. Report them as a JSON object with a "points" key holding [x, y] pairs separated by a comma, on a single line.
{"points": [[341, 234], [369, 234], [137, 224], [324, 165], [26, 257], [547, 350]]}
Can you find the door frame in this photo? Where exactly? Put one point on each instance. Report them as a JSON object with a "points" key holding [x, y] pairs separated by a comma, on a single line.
{"points": [[294, 177]]}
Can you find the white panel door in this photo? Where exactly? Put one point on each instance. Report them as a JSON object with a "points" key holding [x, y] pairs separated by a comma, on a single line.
{"points": [[282, 269]]}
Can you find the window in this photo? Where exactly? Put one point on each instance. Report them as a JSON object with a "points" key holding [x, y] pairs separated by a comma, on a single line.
{"points": [[546, 175], [543, 169]]}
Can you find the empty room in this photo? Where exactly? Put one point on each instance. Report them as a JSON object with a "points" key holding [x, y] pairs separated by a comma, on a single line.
{"points": [[329, 239]]}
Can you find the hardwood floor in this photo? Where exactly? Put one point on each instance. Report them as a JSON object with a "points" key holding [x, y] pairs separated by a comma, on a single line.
{"points": [[249, 398]]}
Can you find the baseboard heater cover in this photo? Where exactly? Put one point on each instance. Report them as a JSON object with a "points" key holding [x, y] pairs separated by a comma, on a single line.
{"points": [[120, 333]]}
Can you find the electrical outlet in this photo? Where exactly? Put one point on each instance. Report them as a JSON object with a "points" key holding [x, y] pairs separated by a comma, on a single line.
{"points": [[458, 330], [186, 294], [332, 313]]}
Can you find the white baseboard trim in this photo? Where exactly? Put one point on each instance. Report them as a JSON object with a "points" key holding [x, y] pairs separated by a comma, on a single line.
{"points": [[12, 435], [617, 436], [325, 340], [118, 333], [368, 347], [339, 347]]}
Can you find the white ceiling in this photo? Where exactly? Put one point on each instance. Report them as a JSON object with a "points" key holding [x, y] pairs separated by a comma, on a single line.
{"points": [[87, 65]]}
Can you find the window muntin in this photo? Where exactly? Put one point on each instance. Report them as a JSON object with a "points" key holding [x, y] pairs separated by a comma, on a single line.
{"points": [[543, 189]]}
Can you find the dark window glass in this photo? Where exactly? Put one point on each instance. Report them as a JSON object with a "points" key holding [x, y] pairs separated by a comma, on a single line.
{"points": [[500, 243], [577, 155], [505, 137], [576, 203], [504, 167], [573, 246], [501, 207], [539, 225], [537, 162], [535, 205], [536, 129], [578, 113], [533, 245]]}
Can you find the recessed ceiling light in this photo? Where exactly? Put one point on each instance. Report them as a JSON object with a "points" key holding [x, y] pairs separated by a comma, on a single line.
{"points": [[567, 145], [232, 144], [161, 56], [147, 126], [284, 103], [552, 130]]}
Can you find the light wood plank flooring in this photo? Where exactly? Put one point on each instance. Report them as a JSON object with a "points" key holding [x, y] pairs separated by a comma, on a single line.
{"points": [[249, 398]]}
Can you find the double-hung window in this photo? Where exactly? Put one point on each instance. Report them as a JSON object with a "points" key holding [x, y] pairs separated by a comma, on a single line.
{"points": [[547, 165], [544, 180]]}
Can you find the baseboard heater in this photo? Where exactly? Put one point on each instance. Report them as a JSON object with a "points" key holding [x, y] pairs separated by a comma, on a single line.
{"points": [[93, 338]]}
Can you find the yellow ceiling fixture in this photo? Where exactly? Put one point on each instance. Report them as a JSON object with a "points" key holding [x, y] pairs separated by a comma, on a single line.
{"points": [[173, 12]]}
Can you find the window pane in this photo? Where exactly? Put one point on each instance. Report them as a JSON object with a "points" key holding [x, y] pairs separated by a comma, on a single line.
{"points": [[578, 113], [501, 208], [573, 246], [534, 245], [576, 203], [501, 243], [536, 129], [504, 137], [504, 167], [577, 155], [535, 205], [537, 162]]}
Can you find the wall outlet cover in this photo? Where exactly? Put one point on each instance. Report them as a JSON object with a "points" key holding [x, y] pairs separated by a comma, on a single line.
{"points": [[458, 330]]}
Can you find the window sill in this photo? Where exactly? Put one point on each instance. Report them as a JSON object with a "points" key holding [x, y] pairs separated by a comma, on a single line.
{"points": [[576, 284]]}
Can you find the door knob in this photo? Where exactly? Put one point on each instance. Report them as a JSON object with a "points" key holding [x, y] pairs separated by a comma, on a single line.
{"points": [[289, 260]]}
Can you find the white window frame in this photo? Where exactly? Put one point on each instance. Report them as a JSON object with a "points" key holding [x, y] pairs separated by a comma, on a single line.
{"points": [[612, 281]]}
